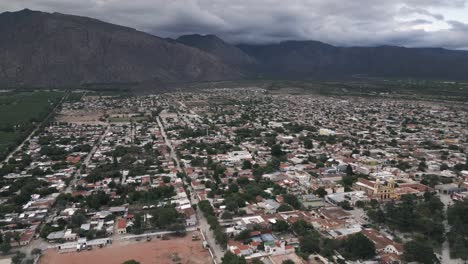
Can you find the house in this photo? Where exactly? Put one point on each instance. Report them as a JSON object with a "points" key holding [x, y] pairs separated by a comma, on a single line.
{"points": [[118, 210], [278, 248], [67, 235], [389, 259], [449, 188], [121, 226], [270, 206], [312, 201], [239, 249], [85, 227], [196, 185], [189, 214], [26, 237], [382, 243], [73, 159]]}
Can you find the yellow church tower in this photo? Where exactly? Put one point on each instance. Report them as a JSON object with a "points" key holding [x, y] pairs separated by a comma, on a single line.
{"points": [[385, 191]]}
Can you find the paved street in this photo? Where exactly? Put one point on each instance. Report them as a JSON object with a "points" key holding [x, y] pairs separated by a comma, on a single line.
{"points": [[203, 225], [445, 256], [169, 144], [86, 161]]}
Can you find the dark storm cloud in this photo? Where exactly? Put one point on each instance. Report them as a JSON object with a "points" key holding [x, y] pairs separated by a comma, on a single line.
{"points": [[339, 22]]}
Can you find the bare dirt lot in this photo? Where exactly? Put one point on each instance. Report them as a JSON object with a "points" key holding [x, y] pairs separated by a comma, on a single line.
{"points": [[85, 117], [155, 251]]}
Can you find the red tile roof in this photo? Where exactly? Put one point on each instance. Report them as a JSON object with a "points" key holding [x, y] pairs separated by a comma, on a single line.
{"points": [[122, 223], [366, 182], [380, 240]]}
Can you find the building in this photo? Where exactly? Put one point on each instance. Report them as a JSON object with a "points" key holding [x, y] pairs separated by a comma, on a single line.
{"points": [[383, 244], [351, 197], [378, 189], [278, 248], [66, 235], [449, 188], [121, 226], [270, 206], [26, 237], [312, 201]]}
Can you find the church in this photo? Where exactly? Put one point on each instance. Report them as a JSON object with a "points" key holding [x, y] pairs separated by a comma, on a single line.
{"points": [[381, 190]]}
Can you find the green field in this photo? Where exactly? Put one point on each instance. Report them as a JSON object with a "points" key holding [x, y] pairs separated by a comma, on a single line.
{"points": [[20, 112], [6, 138]]}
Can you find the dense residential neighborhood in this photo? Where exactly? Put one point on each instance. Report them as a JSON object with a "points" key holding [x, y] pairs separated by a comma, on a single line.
{"points": [[253, 175]]}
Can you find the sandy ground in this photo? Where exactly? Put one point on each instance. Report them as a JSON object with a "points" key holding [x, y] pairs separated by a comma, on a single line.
{"points": [[155, 251]]}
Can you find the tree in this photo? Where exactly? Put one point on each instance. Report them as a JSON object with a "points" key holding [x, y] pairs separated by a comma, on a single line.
{"points": [[231, 205], [78, 218], [18, 258], [422, 166], [284, 208], [276, 150], [347, 181], [292, 200], [166, 179], [360, 204], [301, 227], [95, 201], [310, 243], [132, 261], [137, 227], [444, 166], [226, 215], [358, 246], [36, 251], [281, 226], [288, 261], [377, 216], [233, 188], [320, 192], [458, 236], [349, 170], [165, 216], [345, 205], [419, 251], [230, 258], [246, 165], [308, 144], [5, 247], [220, 236], [244, 234]]}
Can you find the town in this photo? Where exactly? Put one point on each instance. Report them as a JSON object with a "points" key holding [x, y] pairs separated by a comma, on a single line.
{"points": [[239, 175]]}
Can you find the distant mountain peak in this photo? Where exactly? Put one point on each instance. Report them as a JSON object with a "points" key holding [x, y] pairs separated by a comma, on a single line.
{"points": [[228, 53]]}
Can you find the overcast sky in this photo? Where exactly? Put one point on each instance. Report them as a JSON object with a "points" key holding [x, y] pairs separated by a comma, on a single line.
{"points": [[411, 23]]}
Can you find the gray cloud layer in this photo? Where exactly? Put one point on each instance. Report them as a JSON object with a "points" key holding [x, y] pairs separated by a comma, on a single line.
{"points": [[339, 22]]}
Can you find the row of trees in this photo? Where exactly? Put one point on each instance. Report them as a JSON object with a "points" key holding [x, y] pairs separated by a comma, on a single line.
{"points": [[208, 212], [458, 235]]}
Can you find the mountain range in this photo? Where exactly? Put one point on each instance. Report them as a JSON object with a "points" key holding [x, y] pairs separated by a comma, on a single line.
{"points": [[39, 49]]}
